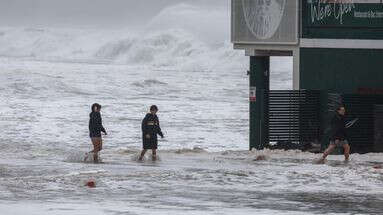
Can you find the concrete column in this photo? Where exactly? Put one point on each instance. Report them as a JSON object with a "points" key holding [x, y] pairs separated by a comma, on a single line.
{"points": [[296, 69]]}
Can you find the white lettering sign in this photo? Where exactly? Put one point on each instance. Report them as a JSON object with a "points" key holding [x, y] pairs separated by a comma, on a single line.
{"points": [[322, 9]]}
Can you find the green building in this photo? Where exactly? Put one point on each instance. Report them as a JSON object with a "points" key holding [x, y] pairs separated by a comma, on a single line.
{"points": [[337, 50]]}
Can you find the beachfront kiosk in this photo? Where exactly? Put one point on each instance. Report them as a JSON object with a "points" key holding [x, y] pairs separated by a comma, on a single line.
{"points": [[337, 50]]}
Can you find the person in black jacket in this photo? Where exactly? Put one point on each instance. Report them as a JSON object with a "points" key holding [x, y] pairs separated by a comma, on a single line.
{"points": [[338, 135], [150, 129], [95, 129]]}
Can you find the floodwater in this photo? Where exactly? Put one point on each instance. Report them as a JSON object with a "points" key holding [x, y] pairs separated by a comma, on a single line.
{"points": [[204, 165], [193, 182]]}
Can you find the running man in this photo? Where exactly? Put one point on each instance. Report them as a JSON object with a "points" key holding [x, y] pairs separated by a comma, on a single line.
{"points": [[338, 136], [150, 129], [95, 129]]}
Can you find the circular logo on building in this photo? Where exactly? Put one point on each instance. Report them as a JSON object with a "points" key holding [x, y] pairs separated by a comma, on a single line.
{"points": [[263, 17]]}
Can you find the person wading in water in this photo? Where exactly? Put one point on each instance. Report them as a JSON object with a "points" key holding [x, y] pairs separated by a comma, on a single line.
{"points": [[95, 129], [150, 129], [338, 136]]}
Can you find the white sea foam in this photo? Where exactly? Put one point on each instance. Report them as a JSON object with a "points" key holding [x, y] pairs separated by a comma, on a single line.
{"points": [[174, 48], [180, 37]]}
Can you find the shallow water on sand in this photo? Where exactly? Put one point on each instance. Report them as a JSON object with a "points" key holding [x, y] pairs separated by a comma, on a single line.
{"points": [[195, 182]]}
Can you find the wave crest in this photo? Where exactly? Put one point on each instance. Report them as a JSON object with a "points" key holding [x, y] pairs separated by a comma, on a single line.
{"points": [[173, 48]]}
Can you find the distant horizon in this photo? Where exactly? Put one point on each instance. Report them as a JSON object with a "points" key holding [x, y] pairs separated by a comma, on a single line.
{"points": [[89, 13]]}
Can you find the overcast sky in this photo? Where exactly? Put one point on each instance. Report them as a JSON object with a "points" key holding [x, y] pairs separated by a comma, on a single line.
{"points": [[108, 13]]}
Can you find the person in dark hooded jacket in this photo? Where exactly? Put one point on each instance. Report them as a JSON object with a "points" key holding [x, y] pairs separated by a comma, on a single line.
{"points": [[150, 129], [95, 129], [338, 135]]}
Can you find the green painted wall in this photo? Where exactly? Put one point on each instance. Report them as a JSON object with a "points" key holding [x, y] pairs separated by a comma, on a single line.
{"points": [[259, 78], [341, 70]]}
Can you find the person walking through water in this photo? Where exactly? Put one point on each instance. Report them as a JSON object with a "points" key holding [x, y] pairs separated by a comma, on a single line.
{"points": [[338, 135], [95, 129], [150, 129]]}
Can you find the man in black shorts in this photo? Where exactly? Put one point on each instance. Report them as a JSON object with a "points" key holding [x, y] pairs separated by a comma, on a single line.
{"points": [[338, 136], [150, 129]]}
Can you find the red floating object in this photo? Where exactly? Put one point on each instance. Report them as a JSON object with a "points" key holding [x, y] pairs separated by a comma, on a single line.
{"points": [[377, 167], [91, 184]]}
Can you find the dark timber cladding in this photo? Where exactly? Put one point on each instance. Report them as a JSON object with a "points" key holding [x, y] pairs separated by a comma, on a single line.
{"points": [[363, 107], [293, 116], [343, 19], [378, 133]]}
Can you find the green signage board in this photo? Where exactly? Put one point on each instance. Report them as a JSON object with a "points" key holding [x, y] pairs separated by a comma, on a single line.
{"points": [[342, 19]]}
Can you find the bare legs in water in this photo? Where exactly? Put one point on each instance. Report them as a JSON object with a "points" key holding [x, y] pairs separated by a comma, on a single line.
{"points": [[97, 147], [154, 154], [331, 148]]}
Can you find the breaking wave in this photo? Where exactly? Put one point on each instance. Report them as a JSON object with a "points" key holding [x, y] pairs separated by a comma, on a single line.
{"points": [[185, 43]]}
